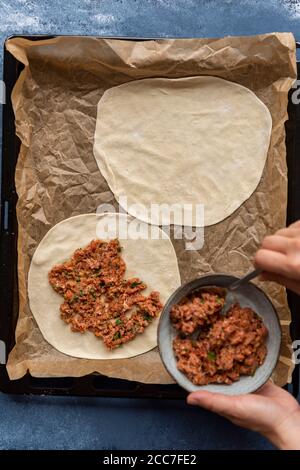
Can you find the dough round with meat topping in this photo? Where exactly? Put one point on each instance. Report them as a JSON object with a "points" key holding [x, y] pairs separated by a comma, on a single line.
{"points": [[152, 260]]}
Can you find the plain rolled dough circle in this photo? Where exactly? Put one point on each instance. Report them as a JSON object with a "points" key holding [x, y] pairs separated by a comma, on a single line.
{"points": [[197, 140], [154, 261]]}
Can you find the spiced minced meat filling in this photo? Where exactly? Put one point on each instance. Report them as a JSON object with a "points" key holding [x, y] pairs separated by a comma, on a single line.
{"points": [[97, 298], [215, 348]]}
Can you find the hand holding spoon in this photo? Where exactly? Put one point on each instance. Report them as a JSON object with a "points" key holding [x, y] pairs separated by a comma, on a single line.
{"points": [[229, 298]]}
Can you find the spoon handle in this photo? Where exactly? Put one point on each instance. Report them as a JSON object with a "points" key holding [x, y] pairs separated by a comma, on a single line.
{"points": [[245, 279]]}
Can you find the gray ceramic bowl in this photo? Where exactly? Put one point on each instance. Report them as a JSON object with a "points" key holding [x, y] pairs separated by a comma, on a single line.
{"points": [[248, 295]]}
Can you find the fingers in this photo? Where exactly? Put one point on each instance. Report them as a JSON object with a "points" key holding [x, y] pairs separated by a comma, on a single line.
{"points": [[279, 257], [271, 261], [284, 281], [269, 389], [276, 243], [289, 232], [222, 404], [295, 224]]}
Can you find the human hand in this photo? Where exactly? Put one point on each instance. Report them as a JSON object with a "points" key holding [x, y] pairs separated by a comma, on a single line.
{"points": [[279, 257], [271, 411]]}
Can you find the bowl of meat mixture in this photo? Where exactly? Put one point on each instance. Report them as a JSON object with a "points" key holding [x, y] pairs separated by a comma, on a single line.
{"points": [[203, 347]]}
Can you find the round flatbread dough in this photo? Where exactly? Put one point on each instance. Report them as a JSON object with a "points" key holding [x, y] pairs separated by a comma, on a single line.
{"points": [[197, 140], [152, 260]]}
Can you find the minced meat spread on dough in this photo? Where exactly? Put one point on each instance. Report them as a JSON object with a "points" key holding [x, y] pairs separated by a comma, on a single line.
{"points": [[222, 347], [98, 298]]}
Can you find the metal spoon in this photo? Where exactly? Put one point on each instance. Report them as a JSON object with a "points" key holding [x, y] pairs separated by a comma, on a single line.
{"points": [[229, 298]]}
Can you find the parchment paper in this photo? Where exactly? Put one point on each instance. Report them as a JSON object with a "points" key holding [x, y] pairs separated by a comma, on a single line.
{"points": [[55, 101]]}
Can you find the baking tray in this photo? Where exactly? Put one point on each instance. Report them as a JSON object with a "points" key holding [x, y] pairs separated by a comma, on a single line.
{"points": [[95, 384]]}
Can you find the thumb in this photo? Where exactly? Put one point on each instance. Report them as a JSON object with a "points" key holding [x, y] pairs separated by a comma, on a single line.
{"points": [[229, 406]]}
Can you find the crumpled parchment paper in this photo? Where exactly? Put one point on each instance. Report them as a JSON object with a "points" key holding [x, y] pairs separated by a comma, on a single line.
{"points": [[55, 103]]}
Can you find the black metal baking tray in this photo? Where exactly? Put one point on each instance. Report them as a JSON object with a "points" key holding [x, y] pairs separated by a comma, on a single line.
{"points": [[95, 384]]}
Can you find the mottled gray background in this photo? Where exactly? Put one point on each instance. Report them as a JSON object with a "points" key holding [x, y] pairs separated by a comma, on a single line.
{"points": [[73, 423]]}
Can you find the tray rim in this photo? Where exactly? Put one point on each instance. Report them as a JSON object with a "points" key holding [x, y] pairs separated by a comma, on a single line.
{"points": [[73, 386]]}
